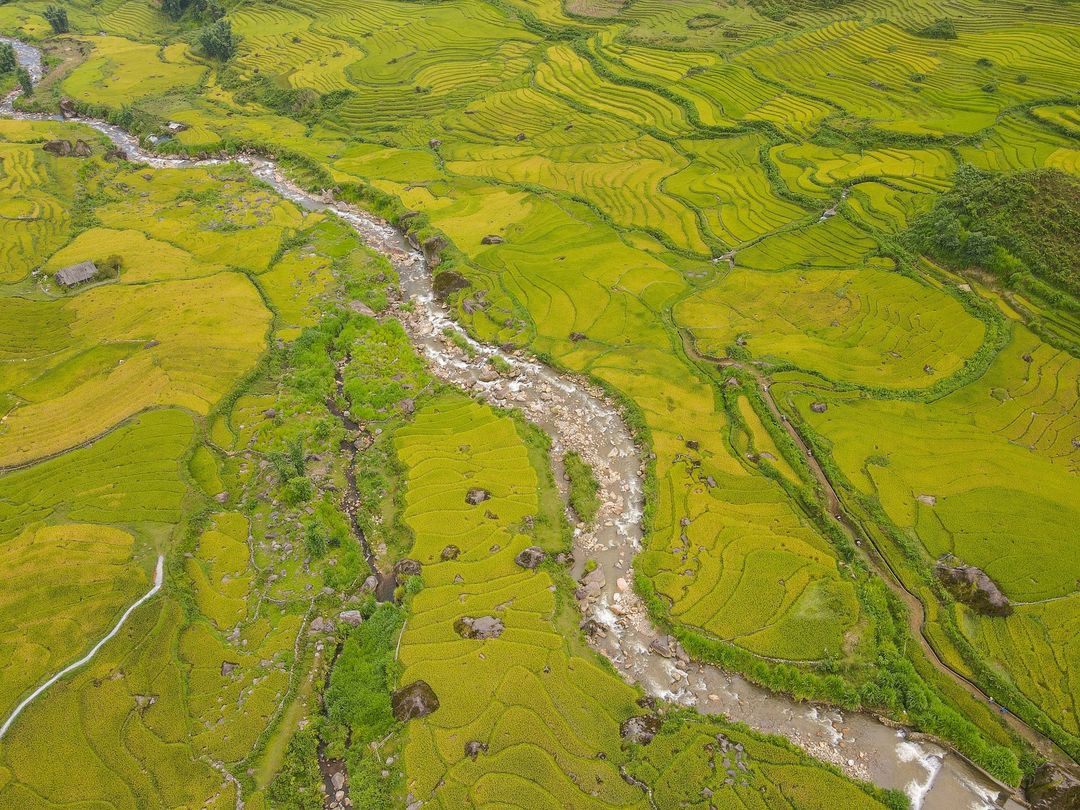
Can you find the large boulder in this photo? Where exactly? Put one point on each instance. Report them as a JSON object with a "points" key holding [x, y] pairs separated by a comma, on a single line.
{"points": [[351, 617], [60, 148], [82, 149], [481, 627], [417, 699], [447, 283], [474, 748], [640, 729], [974, 588], [531, 557], [451, 552], [407, 568], [1053, 788], [476, 496]]}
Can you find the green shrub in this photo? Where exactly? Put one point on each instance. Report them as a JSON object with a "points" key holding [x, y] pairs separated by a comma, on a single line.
{"points": [[584, 488], [940, 29], [296, 785], [217, 41], [57, 18]]}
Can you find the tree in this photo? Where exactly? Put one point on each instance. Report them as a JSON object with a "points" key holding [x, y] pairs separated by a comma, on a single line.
{"points": [[25, 82], [8, 62], [174, 9], [57, 18], [217, 41]]}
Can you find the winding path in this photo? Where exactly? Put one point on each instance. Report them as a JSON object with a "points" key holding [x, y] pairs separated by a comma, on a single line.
{"points": [[159, 576], [916, 611], [578, 416]]}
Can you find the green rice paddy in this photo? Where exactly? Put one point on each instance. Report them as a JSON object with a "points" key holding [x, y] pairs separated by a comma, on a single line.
{"points": [[670, 185]]}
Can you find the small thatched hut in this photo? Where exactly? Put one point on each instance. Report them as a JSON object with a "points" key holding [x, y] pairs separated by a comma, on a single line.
{"points": [[76, 274]]}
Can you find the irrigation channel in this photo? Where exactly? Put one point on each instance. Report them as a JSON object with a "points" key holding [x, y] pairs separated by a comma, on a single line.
{"points": [[578, 416]]}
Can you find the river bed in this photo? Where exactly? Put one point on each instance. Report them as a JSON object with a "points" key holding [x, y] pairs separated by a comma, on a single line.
{"points": [[578, 416]]}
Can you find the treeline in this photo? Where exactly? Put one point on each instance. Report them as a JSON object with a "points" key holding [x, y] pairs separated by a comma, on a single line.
{"points": [[1015, 226]]}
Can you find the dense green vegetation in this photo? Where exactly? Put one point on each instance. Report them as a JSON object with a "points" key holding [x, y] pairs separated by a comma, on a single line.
{"points": [[1013, 225], [584, 487]]}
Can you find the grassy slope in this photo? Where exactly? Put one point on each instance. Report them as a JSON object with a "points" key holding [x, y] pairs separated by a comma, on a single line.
{"points": [[619, 235]]}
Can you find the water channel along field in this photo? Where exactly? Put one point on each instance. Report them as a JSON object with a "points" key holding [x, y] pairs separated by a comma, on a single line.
{"points": [[704, 432]]}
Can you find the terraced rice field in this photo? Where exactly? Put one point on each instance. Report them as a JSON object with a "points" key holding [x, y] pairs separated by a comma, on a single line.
{"points": [[211, 266], [703, 209], [1019, 529]]}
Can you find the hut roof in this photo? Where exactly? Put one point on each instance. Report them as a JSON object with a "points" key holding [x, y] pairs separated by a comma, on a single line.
{"points": [[76, 273]]}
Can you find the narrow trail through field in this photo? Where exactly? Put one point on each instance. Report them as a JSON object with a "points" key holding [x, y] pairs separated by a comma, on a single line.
{"points": [[916, 611], [159, 576], [579, 416]]}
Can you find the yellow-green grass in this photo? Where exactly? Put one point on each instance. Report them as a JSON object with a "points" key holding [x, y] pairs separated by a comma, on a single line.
{"points": [[686, 760], [871, 327], [180, 328], [626, 184], [1061, 115], [835, 243], [761, 441], [730, 189], [564, 268], [87, 740], [63, 588], [130, 476], [986, 474], [567, 74], [721, 93], [119, 71], [885, 207], [1017, 143], [817, 170], [868, 70], [208, 332], [34, 187], [1039, 649], [543, 711], [219, 571], [751, 572]]}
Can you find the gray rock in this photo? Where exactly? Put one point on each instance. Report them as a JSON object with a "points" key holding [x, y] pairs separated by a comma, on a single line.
{"points": [[1054, 787], [474, 748], [417, 699], [640, 729], [482, 627], [476, 496], [60, 148], [451, 552], [351, 617], [974, 588], [819, 407], [531, 557]]}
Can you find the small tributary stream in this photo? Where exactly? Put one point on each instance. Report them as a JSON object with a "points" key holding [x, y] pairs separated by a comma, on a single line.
{"points": [[579, 417]]}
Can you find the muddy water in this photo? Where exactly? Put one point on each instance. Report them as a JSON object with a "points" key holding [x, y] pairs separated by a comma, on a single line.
{"points": [[579, 417]]}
